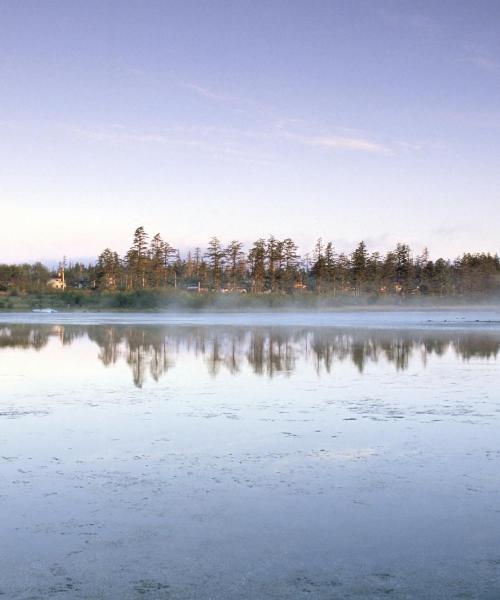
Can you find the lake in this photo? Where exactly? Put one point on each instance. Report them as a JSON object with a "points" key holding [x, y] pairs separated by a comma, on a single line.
{"points": [[292, 455]]}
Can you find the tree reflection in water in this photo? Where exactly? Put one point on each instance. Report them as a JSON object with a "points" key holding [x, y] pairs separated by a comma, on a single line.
{"points": [[268, 351]]}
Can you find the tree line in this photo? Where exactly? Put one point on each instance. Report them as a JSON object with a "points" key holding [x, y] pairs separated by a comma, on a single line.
{"points": [[270, 265]]}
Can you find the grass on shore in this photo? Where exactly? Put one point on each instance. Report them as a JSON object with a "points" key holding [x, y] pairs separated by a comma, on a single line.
{"points": [[156, 300]]}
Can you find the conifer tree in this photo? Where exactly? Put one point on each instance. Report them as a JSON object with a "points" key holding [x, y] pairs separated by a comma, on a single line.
{"points": [[359, 260], [215, 256], [235, 263], [138, 259], [256, 261]]}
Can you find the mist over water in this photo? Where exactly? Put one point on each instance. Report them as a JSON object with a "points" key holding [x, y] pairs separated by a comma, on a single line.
{"points": [[277, 458]]}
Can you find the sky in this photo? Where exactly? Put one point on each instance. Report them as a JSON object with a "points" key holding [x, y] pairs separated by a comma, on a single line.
{"points": [[343, 119]]}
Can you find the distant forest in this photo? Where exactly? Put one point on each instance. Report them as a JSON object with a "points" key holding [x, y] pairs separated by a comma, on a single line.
{"points": [[269, 266]]}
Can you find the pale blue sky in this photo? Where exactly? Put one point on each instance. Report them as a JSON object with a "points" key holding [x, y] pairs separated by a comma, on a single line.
{"points": [[350, 120]]}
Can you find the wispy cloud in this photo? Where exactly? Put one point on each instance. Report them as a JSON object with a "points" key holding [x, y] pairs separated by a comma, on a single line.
{"points": [[411, 20], [419, 146], [218, 143], [247, 145], [342, 142], [296, 129], [478, 119], [480, 58], [205, 92], [250, 107]]}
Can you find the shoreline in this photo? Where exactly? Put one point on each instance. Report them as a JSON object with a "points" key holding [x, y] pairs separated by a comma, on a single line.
{"points": [[264, 308]]}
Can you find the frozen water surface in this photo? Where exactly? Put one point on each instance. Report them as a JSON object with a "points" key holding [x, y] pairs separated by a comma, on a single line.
{"points": [[329, 456]]}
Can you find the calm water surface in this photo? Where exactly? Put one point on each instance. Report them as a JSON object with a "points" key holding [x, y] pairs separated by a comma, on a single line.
{"points": [[184, 460]]}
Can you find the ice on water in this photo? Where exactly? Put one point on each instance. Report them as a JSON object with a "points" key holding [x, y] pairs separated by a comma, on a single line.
{"points": [[338, 455]]}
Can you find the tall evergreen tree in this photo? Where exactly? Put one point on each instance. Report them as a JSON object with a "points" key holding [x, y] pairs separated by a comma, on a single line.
{"points": [[359, 260], [157, 256], [235, 262], [257, 264], [138, 259], [215, 257], [329, 259], [291, 260], [319, 266], [108, 268]]}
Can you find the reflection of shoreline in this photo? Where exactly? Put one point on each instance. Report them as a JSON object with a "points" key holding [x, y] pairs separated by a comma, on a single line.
{"points": [[267, 351]]}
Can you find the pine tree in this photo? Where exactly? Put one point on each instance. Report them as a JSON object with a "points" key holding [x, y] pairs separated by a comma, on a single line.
{"points": [[138, 259], [271, 256], [235, 263], [291, 260], [358, 267], [108, 267], [215, 256], [256, 261], [330, 268], [403, 268], [157, 256], [319, 266]]}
